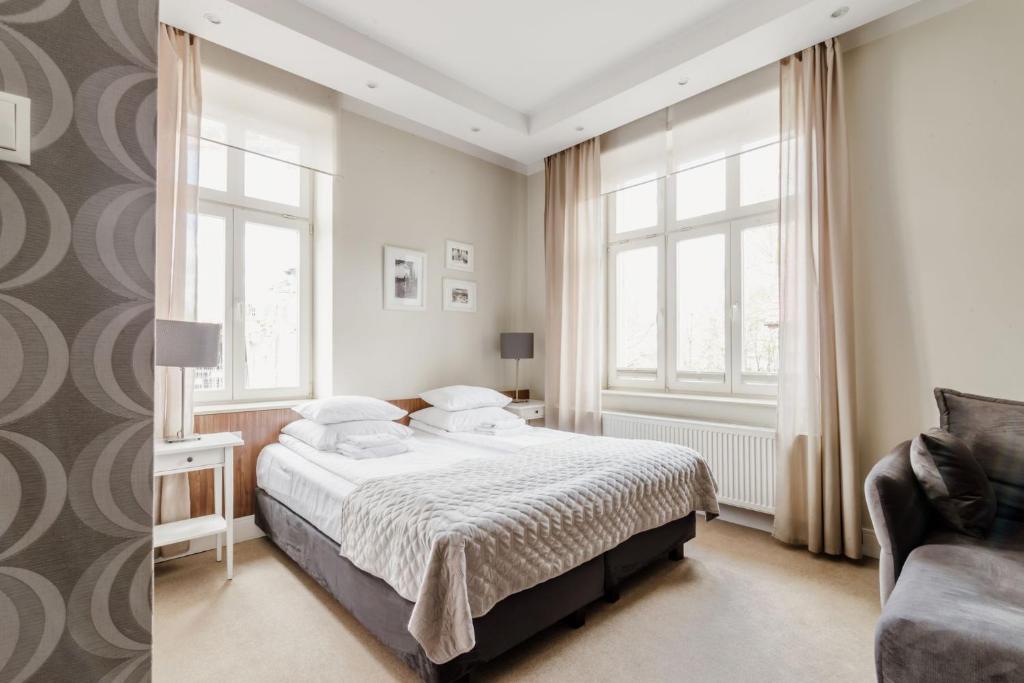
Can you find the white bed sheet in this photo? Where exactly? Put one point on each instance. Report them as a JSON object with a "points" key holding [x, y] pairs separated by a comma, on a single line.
{"points": [[312, 483]]}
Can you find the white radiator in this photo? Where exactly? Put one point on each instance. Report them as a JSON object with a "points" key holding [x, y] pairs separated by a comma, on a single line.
{"points": [[741, 458]]}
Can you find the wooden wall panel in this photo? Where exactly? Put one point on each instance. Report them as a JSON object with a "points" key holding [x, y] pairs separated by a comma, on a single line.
{"points": [[259, 428]]}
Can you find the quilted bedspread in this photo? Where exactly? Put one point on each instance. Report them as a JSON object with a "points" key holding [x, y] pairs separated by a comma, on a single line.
{"points": [[458, 540]]}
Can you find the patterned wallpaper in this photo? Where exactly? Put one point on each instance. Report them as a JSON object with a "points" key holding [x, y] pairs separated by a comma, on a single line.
{"points": [[76, 340]]}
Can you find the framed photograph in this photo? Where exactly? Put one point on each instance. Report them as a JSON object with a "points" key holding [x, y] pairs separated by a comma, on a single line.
{"points": [[459, 295], [459, 256], [405, 279]]}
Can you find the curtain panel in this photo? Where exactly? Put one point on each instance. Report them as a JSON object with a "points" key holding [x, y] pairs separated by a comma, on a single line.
{"points": [[817, 490], [574, 267], [179, 114]]}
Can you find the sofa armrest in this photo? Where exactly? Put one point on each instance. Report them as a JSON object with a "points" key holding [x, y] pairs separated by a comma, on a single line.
{"points": [[900, 513]]}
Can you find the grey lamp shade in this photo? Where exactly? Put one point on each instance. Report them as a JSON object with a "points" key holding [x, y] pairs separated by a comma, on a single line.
{"points": [[517, 345], [182, 344]]}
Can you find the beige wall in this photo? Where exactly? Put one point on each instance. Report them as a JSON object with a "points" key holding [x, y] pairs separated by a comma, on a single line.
{"points": [[396, 188], [935, 125], [536, 291]]}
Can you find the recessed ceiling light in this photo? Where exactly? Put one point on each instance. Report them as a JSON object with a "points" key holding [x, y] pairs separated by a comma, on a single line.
{"points": [[579, 129], [474, 129], [212, 18], [371, 84], [683, 81], [840, 12]]}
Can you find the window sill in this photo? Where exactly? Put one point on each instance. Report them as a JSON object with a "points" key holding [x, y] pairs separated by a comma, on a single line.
{"points": [[765, 401], [216, 408]]}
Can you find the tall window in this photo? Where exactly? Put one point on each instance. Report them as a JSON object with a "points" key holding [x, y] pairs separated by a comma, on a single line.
{"points": [[693, 256], [251, 266]]}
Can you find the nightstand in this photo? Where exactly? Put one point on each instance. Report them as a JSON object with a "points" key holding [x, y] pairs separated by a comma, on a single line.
{"points": [[528, 410], [212, 451]]}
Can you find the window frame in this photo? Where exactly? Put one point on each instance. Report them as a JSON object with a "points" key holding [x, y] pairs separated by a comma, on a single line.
{"points": [[732, 221], [611, 200], [235, 184], [697, 382], [740, 382], [616, 376], [235, 390]]}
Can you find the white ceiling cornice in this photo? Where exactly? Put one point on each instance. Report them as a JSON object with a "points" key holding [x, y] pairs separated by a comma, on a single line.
{"points": [[741, 37]]}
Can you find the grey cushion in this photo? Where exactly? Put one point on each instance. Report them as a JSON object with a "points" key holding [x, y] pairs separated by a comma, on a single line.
{"points": [[994, 431], [957, 611], [954, 482]]}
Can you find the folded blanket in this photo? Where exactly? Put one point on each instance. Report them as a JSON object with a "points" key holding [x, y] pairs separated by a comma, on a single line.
{"points": [[511, 423], [384, 451], [503, 431], [371, 440]]}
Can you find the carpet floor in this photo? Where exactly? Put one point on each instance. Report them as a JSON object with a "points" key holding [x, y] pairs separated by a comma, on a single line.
{"points": [[740, 607]]}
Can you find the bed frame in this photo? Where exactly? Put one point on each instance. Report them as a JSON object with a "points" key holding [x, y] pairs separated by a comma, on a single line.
{"points": [[385, 613]]}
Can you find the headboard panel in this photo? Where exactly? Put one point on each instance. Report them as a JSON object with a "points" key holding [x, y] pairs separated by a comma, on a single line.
{"points": [[259, 428]]}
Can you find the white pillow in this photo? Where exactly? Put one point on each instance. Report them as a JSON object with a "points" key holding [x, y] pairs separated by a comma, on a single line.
{"points": [[327, 437], [462, 420], [461, 397], [327, 411]]}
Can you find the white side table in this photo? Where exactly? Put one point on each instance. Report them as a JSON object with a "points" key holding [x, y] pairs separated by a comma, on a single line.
{"points": [[528, 410], [212, 451]]}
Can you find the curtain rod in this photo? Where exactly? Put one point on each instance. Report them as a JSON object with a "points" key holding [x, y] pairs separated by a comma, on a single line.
{"points": [[266, 156], [689, 168]]}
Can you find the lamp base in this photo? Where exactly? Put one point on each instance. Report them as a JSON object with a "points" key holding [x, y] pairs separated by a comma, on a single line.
{"points": [[177, 438], [520, 400]]}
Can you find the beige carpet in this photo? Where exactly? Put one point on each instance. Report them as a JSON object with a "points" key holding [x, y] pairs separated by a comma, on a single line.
{"points": [[740, 607]]}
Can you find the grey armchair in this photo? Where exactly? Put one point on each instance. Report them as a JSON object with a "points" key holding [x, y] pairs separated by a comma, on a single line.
{"points": [[899, 512]]}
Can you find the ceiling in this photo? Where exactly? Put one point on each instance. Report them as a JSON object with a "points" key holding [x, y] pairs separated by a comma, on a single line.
{"points": [[516, 81], [521, 53]]}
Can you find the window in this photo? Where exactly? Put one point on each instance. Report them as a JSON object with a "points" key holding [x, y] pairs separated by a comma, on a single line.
{"points": [[251, 266], [693, 274]]}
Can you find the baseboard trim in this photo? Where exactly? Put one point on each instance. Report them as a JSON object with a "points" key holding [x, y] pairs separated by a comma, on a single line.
{"points": [[245, 530]]}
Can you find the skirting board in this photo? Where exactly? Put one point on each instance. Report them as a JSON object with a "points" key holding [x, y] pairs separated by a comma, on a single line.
{"points": [[245, 530], [764, 522]]}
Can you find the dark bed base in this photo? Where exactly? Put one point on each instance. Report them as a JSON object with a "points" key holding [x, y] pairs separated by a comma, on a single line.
{"points": [[385, 613]]}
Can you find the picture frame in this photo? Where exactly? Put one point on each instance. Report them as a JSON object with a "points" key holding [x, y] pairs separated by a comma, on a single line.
{"points": [[459, 256], [405, 279], [459, 295]]}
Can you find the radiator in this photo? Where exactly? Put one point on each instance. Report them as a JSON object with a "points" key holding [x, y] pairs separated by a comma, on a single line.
{"points": [[741, 458]]}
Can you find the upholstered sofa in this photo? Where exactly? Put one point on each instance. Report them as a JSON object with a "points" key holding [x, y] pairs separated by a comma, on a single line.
{"points": [[953, 604]]}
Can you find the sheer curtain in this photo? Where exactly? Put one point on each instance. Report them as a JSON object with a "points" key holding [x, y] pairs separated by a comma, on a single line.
{"points": [[574, 269], [179, 112], [817, 493]]}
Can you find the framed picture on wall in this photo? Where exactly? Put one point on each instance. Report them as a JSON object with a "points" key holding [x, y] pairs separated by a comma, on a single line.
{"points": [[459, 256], [405, 279], [459, 295]]}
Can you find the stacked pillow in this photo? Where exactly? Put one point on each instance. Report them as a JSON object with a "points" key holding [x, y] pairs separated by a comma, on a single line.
{"points": [[359, 426], [462, 408]]}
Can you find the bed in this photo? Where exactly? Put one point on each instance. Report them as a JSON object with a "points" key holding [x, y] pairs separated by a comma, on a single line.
{"points": [[468, 545]]}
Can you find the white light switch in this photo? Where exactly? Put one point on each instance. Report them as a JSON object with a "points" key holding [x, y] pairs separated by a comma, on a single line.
{"points": [[8, 127], [15, 128]]}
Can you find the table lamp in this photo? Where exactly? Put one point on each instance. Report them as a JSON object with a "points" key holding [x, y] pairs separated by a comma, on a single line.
{"points": [[181, 344], [517, 345]]}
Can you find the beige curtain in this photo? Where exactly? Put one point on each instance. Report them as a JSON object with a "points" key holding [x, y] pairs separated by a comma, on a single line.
{"points": [[574, 260], [817, 490], [179, 111]]}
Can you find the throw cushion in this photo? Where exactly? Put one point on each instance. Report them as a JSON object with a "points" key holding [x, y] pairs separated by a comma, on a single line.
{"points": [[954, 482], [993, 429]]}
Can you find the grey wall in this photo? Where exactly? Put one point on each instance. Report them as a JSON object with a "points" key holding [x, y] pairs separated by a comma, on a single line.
{"points": [[76, 265]]}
